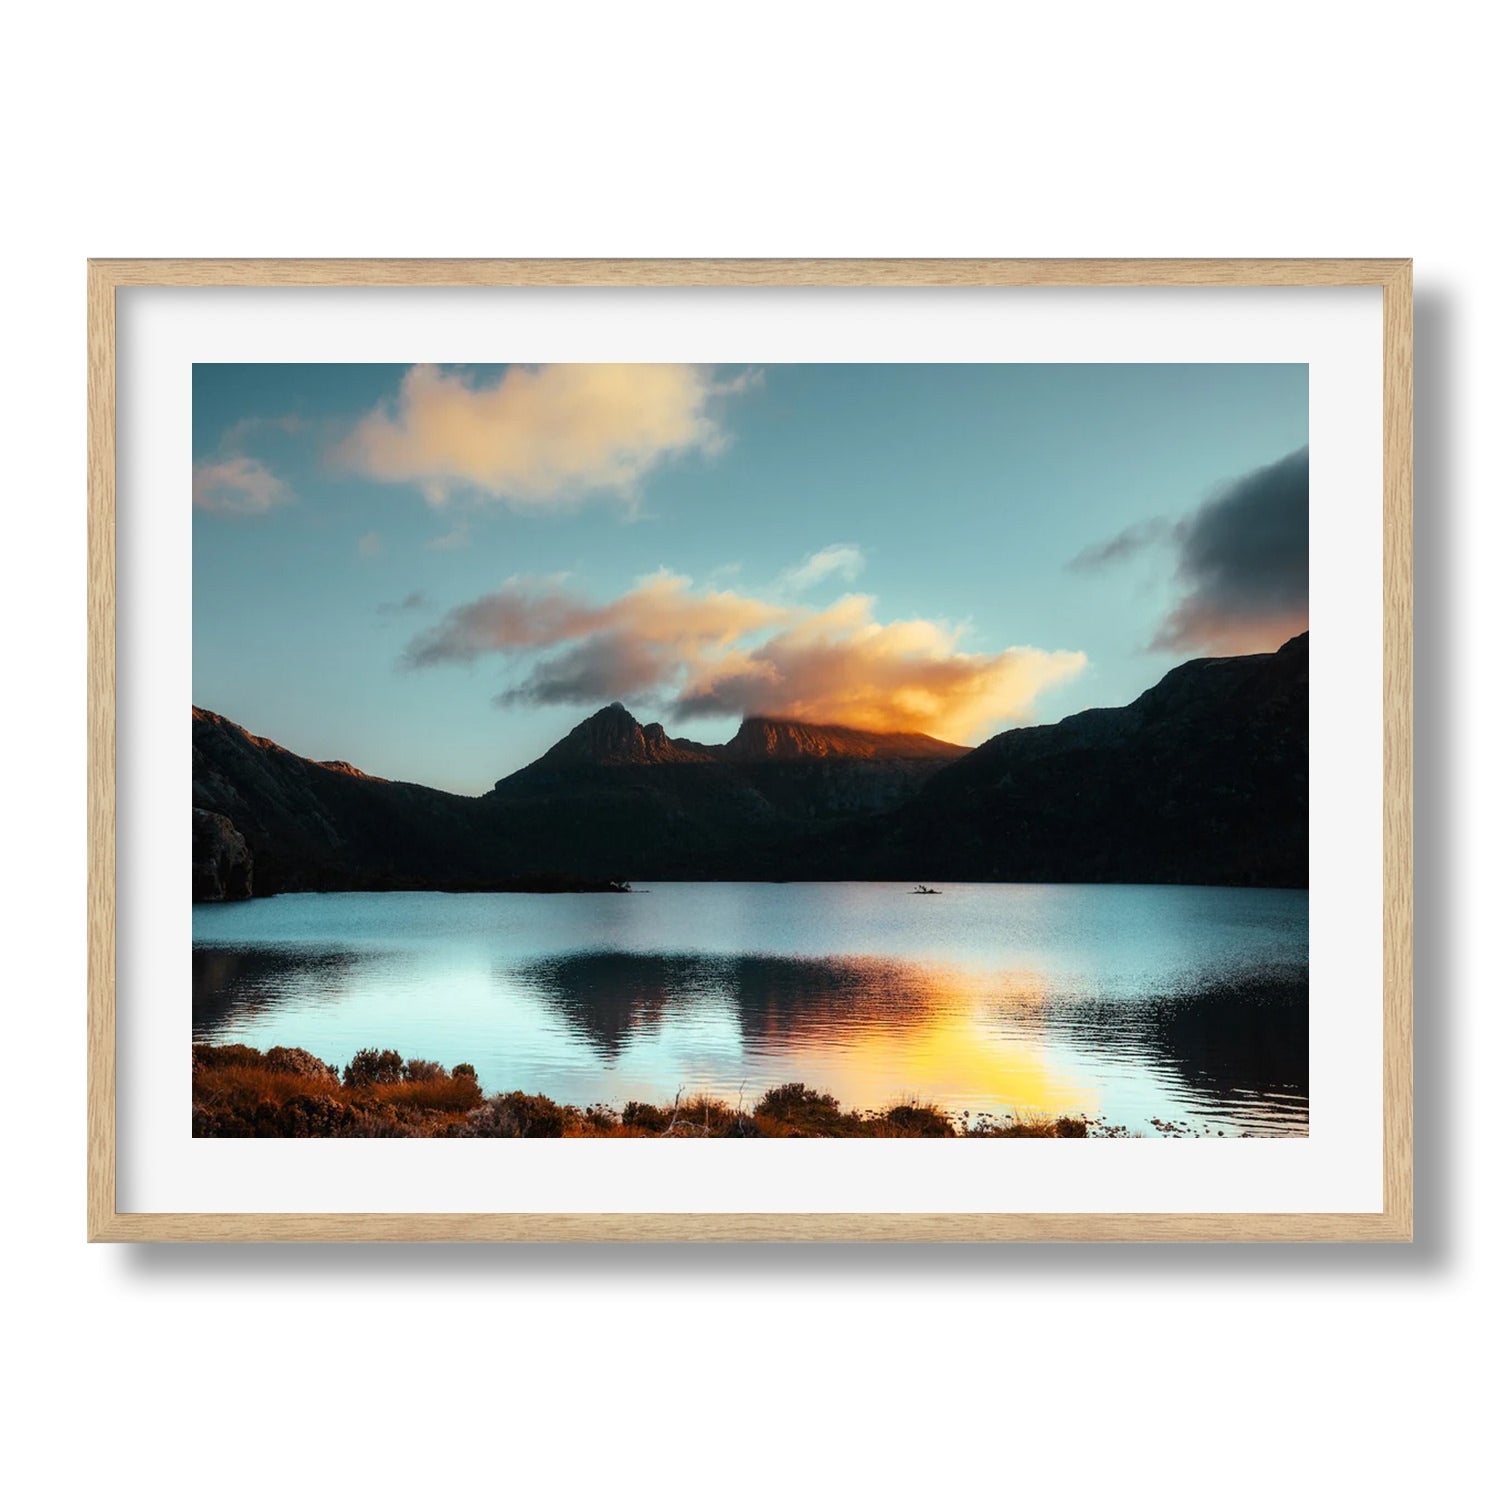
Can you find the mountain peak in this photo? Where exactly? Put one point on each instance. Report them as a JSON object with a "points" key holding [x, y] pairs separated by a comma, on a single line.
{"points": [[786, 739], [610, 736], [614, 737]]}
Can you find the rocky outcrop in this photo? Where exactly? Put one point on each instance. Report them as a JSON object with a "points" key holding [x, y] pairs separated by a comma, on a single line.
{"points": [[613, 737], [781, 739], [222, 866]]}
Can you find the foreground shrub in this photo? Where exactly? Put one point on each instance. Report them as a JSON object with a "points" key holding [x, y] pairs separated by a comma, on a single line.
{"points": [[298, 1063], [440, 1093], [795, 1101], [287, 1092], [914, 1120], [518, 1114], [369, 1066], [697, 1116], [207, 1058], [1029, 1127], [799, 1110], [644, 1116], [700, 1115]]}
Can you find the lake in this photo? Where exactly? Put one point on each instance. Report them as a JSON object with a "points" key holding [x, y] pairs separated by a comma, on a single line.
{"points": [[1135, 1004]]}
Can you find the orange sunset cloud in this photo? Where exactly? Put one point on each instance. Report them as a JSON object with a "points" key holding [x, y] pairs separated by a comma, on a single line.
{"points": [[840, 666], [711, 652]]}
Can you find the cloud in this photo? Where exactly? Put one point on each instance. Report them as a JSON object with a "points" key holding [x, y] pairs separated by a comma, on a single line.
{"points": [[541, 436], [600, 668], [842, 560], [238, 434], [737, 385], [701, 652], [662, 612], [413, 603], [1124, 545], [451, 540], [1243, 557], [840, 666], [237, 486]]}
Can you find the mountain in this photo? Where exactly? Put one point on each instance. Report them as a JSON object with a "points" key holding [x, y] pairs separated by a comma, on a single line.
{"points": [[311, 825], [613, 799], [783, 740], [613, 737], [615, 794], [1202, 780]]}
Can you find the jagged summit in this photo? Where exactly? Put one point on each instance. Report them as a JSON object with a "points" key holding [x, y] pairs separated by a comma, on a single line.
{"points": [[614, 737], [786, 739]]}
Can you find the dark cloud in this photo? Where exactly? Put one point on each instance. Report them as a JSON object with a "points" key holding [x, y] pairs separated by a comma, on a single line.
{"points": [[1130, 541], [412, 604], [599, 668], [524, 614], [1243, 559]]}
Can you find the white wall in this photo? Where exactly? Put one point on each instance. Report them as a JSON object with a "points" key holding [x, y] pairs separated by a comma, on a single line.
{"points": [[174, 129]]}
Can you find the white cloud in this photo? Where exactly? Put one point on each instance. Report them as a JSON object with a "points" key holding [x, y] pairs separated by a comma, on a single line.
{"points": [[842, 560], [540, 436], [237, 486]]}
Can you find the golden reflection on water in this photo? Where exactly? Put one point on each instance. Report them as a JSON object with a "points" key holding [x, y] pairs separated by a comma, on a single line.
{"points": [[933, 1032], [869, 1030], [944, 1058]]}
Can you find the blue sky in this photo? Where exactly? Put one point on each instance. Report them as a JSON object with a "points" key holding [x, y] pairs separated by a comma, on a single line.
{"points": [[434, 574]]}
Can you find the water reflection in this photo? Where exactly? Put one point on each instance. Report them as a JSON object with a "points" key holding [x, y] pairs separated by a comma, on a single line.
{"points": [[236, 985], [608, 998], [869, 1030], [873, 1030], [1132, 1003]]}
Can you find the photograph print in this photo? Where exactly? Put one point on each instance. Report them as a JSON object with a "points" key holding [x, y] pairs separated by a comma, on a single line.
{"points": [[750, 752]]}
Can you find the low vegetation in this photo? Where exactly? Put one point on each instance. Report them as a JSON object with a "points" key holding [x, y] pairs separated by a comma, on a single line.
{"points": [[239, 1091]]}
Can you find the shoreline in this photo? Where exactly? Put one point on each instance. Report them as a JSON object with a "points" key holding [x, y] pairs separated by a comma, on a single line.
{"points": [[286, 1092], [567, 887]]}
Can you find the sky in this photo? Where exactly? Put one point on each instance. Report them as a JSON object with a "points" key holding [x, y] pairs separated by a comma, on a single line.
{"points": [[435, 572]]}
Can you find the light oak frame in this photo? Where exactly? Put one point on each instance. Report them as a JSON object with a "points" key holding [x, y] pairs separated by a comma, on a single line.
{"points": [[1394, 1222]]}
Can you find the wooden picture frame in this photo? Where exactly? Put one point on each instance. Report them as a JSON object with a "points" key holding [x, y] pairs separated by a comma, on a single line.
{"points": [[1393, 1222]]}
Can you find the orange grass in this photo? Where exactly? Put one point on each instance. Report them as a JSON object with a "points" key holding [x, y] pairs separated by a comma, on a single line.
{"points": [[238, 1091]]}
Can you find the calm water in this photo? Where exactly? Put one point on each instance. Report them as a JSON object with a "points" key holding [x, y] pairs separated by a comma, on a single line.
{"points": [[1184, 1004]]}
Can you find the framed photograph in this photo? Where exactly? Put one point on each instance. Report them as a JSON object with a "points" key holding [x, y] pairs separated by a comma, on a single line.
{"points": [[750, 750]]}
